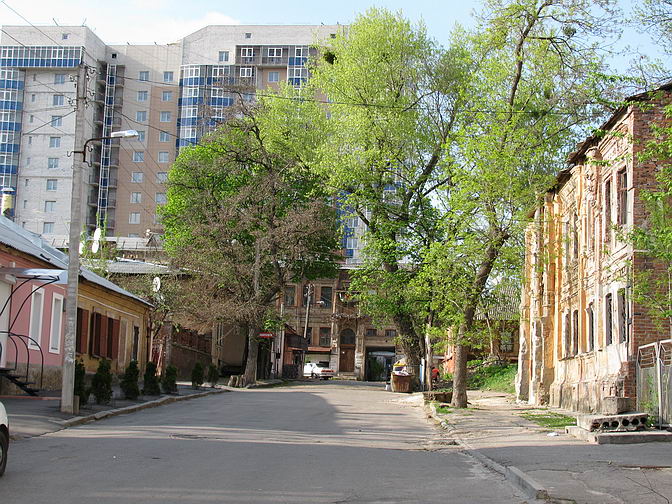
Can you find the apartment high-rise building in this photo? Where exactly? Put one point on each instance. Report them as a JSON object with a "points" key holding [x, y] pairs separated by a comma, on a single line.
{"points": [[172, 94]]}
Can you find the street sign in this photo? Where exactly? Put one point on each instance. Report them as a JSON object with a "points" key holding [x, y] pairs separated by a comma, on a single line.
{"points": [[266, 335]]}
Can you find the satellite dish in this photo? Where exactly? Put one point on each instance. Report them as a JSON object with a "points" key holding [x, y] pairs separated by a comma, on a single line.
{"points": [[96, 240], [156, 284]]}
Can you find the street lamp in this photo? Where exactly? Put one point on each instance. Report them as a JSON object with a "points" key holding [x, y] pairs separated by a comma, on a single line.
{"points": [[68, 381]]}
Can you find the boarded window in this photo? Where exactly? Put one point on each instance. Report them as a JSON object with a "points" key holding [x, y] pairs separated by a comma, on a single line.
{"points": [[622, 197], [607, 211], [608, 320], [591, 328], [622, 317]]}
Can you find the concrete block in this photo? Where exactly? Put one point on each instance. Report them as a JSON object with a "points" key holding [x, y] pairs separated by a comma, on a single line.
{"points": [[617, 405], [623, 422]]}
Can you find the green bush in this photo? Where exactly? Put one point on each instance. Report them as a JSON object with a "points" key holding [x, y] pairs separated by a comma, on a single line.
{"points": [[150, 380], [169, 380], [80, 382], [213, 375], [101, 384], [498, 378], [197, 375], [129, 381]]}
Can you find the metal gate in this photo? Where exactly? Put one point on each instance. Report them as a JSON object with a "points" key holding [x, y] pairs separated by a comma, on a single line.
{"points": [[654, 380]]}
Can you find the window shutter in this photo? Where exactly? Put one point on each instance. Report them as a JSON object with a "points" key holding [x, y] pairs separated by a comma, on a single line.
{"points": [[81, 345], [103, 336], [114, 337]]}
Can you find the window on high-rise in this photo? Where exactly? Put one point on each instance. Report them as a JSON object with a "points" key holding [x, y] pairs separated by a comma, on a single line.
{"points": [[52, 163], [52, 184], [160, 198], [49, 206], [141, 116], [136, 197], [167, 76], [56, 121], [136, 177], [54, 142], [223, 56], [246, 71], [58, 100], [65, 36], [248, 35], [134, 218], [162, 177], [138, 156], [143, 95], [163, 157], [141, 135], [48, 227], [299, 52], [167, 96], [143, 75], [247, 52], [275, 52], [59, 79], [164, 136], [165, 116], [273, 76]]}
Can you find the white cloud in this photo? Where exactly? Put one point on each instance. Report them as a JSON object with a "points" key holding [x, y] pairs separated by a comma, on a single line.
{"points": [[119, 21]]}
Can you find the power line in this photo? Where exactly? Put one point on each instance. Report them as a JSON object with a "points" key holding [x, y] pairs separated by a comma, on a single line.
{"points": [[256, 92], [46, 123]]}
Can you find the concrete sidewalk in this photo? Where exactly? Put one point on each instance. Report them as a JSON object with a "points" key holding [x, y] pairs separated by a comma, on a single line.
{"points": [[553, 465], [34, 416]]}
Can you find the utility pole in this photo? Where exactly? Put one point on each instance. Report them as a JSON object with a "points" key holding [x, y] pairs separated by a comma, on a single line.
{"points": [[305, 327], [68, 383]]}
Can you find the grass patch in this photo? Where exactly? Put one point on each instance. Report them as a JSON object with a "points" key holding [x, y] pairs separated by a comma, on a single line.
{"points": [[498, 378], [444, 409], [549, 419]]}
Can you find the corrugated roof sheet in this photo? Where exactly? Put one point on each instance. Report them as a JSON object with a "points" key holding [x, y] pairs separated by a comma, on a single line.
{"points": [[32, 244]]}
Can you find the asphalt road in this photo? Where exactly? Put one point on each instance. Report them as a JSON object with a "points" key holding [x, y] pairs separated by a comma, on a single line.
{"points": [[320, 443]]}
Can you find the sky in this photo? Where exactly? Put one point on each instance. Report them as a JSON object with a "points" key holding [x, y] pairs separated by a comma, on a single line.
{"points": [[163, 21]]}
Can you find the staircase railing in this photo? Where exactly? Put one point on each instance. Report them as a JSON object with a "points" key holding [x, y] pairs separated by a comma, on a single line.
{"points": [[14, 336]]}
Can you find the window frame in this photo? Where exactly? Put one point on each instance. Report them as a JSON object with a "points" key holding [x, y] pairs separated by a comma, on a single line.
{"points": [[33, 331], [57, 348]]}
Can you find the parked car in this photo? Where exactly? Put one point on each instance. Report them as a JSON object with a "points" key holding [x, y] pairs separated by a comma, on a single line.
{"points": [[4, 439], [319, 370]]}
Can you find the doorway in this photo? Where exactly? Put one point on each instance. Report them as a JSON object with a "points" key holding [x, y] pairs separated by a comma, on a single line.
{"points": [[346, 363], [379, 362]]}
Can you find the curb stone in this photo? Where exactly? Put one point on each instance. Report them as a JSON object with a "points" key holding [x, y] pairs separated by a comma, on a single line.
{"points": [[512, 474], [135, 407]]}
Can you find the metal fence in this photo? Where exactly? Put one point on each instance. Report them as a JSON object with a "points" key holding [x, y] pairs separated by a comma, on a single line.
{"points": [[654, 380]]}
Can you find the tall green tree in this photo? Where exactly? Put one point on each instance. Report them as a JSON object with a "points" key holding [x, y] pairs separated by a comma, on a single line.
{"points": [[533, 89], [246, 214], [394, 100]]}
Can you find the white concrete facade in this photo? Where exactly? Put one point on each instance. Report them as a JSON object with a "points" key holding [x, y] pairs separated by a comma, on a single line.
{"points": [[146, 93]]}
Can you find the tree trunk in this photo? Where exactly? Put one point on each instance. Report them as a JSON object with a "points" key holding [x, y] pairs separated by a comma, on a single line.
{"points": [[411, 343], [461, 350], [250, 375], [460, 373]]}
